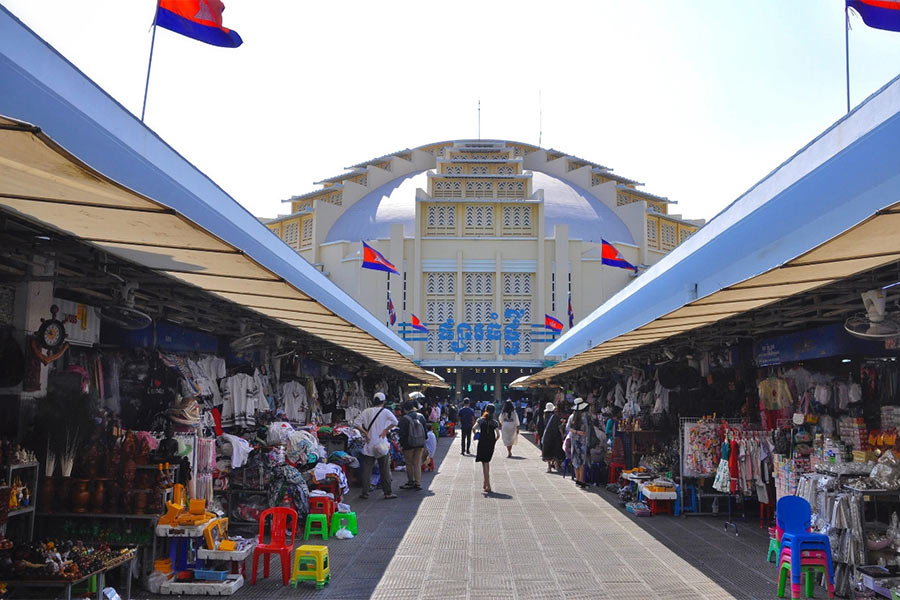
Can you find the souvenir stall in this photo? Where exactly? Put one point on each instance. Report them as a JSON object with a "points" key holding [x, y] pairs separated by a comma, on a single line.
{"points": [[145, 439]]}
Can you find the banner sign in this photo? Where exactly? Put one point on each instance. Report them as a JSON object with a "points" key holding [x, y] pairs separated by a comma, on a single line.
{"points": [[821, 342], [460, 335]]}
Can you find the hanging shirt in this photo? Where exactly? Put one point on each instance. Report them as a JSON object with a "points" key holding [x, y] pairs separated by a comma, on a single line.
{"points": [[294, 401], [774, 394], [241, 398]]}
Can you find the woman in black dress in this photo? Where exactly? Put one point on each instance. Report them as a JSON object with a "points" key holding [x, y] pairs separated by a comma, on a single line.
{"points": [[552, 439], [488, 433]]}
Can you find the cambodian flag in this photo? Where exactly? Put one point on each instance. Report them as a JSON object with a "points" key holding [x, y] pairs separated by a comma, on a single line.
{"points": [[551, 323], [417, 324], [198, 19], [391, 314], [612, 257], [373, 259], [571, 313], [880, 14]]}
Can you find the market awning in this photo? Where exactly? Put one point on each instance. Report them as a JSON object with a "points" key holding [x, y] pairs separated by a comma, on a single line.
{"points": [[830, 212], [73, 159]]}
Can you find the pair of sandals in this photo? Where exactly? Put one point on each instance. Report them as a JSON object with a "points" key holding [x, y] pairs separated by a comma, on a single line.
{"points": [[410, 486]]}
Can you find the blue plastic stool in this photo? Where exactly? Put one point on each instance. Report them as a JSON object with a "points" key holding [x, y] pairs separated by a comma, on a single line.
{"points": [[691, 505], [794, 517]]}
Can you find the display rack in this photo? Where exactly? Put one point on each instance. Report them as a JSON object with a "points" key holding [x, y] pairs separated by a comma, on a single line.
{"points": [[684, 425], [27, 511]]}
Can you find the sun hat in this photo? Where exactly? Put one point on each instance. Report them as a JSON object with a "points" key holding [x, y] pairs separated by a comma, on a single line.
{"points": [[580, 404], [550, 407]]}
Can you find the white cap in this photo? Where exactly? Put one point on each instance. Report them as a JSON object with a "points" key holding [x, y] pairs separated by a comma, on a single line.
{"points": [[378, 397]]}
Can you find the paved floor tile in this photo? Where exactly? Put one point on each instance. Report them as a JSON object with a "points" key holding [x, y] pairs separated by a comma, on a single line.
{"points": [[537, 538]]}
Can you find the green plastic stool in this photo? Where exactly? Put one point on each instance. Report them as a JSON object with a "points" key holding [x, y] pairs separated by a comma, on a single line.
{"points": [[807, 572], [322, 526], [347, 520], [774, 548]]}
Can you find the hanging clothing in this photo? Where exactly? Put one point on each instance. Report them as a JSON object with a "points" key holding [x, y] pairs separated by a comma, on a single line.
{"points": [[241, 398], [774, 394], [294, 401]]}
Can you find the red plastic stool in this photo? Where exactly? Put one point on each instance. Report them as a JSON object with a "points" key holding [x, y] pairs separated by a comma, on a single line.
{"points": [[329, 484], [766, 514], [615, 469], [320, 505], [659, 507]]}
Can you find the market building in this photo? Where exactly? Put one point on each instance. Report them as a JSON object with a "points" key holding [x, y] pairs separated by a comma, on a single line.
{"points": [[488, 236]]}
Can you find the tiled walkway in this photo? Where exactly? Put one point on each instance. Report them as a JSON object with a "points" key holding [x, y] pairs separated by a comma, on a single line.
{"points": [[537, 536]]}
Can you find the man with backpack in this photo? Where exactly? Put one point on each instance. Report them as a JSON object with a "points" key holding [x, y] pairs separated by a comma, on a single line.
{"points": [[412, 440], [376, 422]]}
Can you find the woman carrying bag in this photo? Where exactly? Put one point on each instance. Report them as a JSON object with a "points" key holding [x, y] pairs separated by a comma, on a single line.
{"points": [[487, 431]]}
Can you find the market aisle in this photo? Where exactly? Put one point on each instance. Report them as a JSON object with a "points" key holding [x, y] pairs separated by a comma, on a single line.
{"points": [[538, 536]]}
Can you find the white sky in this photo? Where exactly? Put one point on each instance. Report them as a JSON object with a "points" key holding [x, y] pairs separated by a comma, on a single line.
{"points": [[699, 99]]}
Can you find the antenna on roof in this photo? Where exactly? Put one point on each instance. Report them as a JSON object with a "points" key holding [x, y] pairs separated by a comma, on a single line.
{"points": [[479, 118], [540, 118]]}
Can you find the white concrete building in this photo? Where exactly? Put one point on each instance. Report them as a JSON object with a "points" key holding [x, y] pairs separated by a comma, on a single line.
{"points": [[488, 236]]}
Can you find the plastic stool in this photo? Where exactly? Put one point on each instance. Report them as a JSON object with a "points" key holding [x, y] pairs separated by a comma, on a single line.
{"points": [[773, 550], [311, 564], [615, 469], [321, 505], [347, 520], [807, 571], [321, 522]]}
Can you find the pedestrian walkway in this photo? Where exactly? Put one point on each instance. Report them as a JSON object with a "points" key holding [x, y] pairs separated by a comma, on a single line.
{"points": [[536, 537]]}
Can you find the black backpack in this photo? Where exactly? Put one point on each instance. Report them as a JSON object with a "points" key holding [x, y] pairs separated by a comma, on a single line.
{"points": [[416, 437]]}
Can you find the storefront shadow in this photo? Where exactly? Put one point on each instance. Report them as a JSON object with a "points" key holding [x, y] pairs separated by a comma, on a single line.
{"points": [[389, 532]]}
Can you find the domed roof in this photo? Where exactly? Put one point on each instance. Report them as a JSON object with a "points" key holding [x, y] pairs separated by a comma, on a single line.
{"points": [[395, 202], [588, 219]]}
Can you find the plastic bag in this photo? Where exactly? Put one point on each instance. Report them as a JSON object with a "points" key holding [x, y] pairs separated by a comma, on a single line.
{"points": [[156, 580], [886, 472], [377, 448], [343, 534], [111, 594]]}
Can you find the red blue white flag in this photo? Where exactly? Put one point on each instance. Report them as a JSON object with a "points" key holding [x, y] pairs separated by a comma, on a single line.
{"points": [[197, 19], [417, 324], [552, 323], [880, 14], [373, 259], [571, 313], [612, 257], [392, 316]]}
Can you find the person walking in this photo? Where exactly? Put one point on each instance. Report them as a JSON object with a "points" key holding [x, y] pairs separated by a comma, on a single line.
{"points": [[509, 426], [412, 440], [581, 430], [376, 422], [551, 439], [466, 422], [529, 416], [488, 433]]}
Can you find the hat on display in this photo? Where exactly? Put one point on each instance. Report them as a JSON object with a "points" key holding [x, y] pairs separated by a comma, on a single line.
{"points": [[378, 398], [580, 404], [550, 407], [186, 412]]}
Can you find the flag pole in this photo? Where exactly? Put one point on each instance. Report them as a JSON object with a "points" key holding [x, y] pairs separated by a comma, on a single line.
{"points": [[847, 51], [388, 299], [150, 62]]}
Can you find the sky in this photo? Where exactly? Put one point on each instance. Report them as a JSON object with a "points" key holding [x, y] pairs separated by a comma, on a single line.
{"points": [[698, 99]]}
